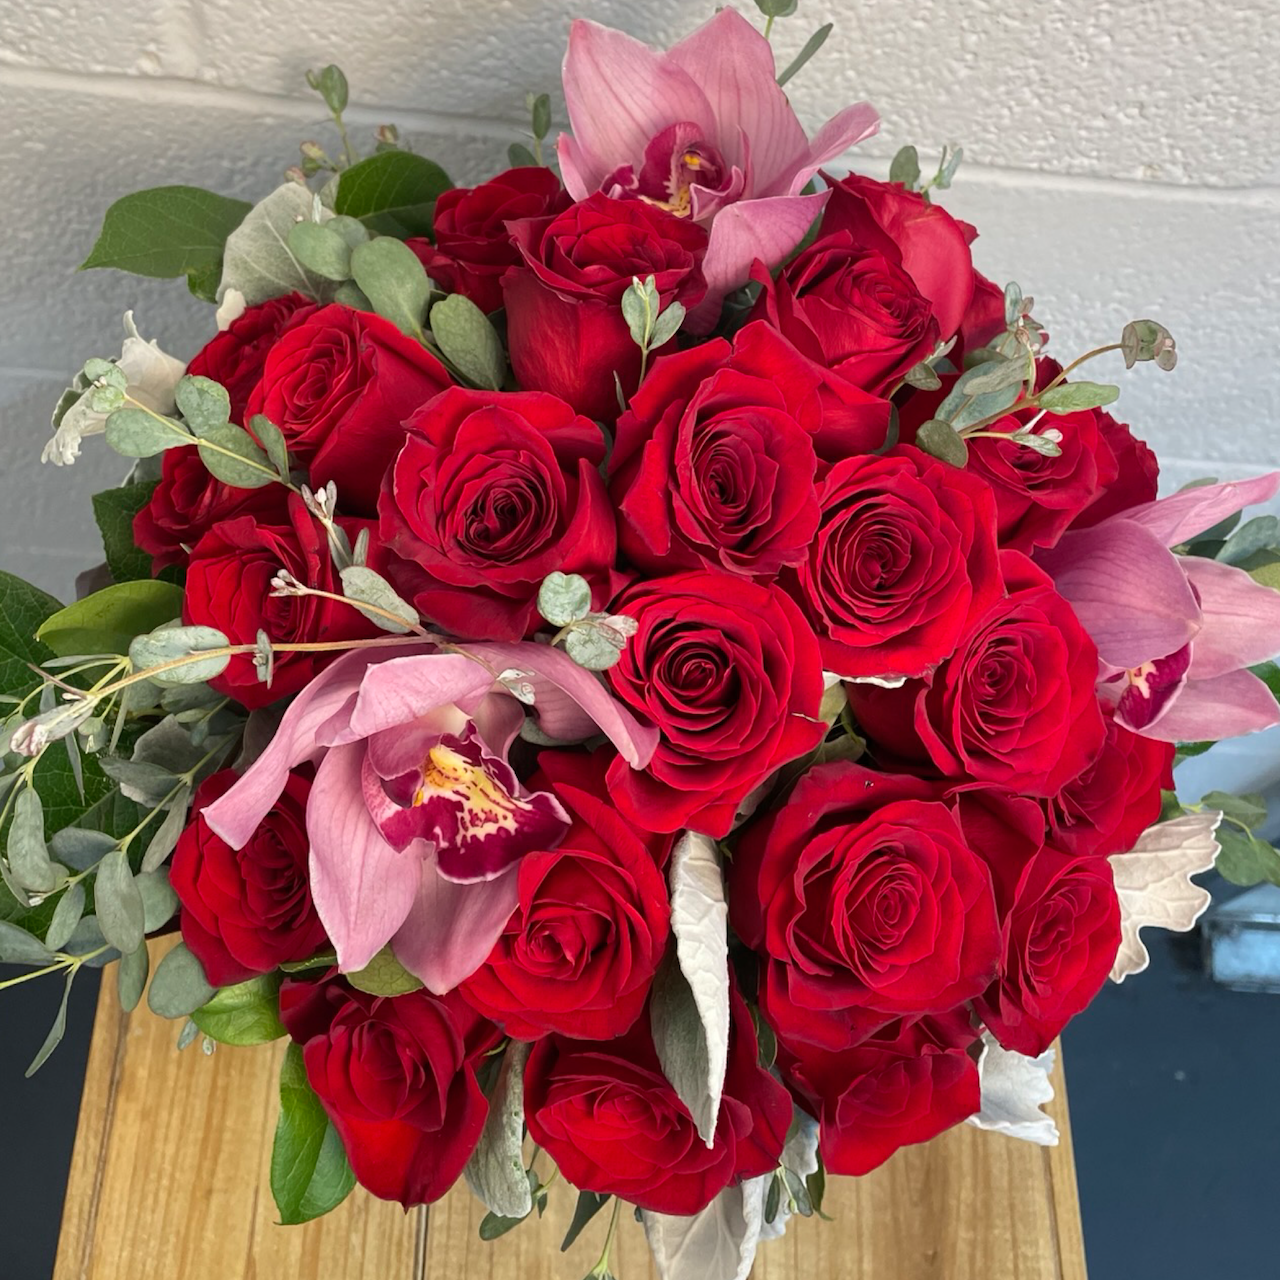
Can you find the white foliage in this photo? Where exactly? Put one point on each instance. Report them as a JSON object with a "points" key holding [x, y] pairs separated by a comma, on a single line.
{"points": [[495, 1172], [258, 263], [1014, 1088], [717, 1244]]}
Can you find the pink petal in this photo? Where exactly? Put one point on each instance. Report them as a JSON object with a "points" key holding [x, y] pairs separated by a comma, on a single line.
{"points": [[498, 718], [362, 887], [620, 93], [1182, 516], [732, 64], [570, 702], [402, 689], [1225, 706], [451, 928], [853, 125], [575, 170], [767, 230], [1128, 591], [1241, 618], [235, 816]]}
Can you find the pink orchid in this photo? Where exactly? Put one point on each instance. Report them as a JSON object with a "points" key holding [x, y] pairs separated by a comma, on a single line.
{"points": [[705, 131], [1175, 634], [416, 821]]}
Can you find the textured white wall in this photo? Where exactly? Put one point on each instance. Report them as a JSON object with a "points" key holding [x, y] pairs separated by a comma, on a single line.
{"points": [[1123, 160]]}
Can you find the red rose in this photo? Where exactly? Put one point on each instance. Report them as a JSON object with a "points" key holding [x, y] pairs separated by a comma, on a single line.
{"points": [[579, 954], [247, 911], [229, 587], [1135, 475], [903, 561], [729, 672], [565, 327], [236, 355], [714, 460], [491, 492], [608, 1118], [1061, 935], [931, 246], [472, 244], [397, 1078], [1116, 798], [866, 902], [188, 502], [340, 383], [984, 320], [1014, 706], [908, 1083]]}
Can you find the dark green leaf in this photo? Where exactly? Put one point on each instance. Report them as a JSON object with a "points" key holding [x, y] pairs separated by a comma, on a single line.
{"points": [[494, 1225], [777, 8], [773, 1199], [1248, 810], [1269, 674], [331, 85], [520, 157], [589, 1204], [393, 193], [1259, 534], [167, 232], [114, 511], [310, 1174], [1244, 859], [109, 620], [22, 610], [248, 1013], [540, 112]]}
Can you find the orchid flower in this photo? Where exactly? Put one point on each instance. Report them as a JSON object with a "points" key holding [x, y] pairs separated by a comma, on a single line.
{"points": [[416, 821], [1175, 634], [704, 131]]}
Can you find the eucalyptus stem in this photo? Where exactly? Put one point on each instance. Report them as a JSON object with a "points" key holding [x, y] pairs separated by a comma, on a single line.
{"points": [[1076, 363], [601, 1268], [61, 963]]}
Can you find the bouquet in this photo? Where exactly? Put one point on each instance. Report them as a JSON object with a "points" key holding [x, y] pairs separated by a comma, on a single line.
{"points": [[651, 664]]}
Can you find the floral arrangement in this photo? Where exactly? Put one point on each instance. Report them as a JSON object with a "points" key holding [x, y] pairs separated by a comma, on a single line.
{"points": [[654, 660]]}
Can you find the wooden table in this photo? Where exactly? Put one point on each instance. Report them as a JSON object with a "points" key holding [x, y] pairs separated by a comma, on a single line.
{"points": [[170, 1180]]}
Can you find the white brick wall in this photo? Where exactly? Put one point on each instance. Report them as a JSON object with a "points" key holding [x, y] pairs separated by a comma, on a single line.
{"points": [[1123, 160]]}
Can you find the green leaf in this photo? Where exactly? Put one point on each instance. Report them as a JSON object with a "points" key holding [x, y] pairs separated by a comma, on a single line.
{"points": [[203, 403], [906, 168], [168, 232], [540, 115], [1262, 533], [118, 903], [589, 1204], [384, 975], [138, 433], [963, 407], [109, 620], [22, 610], [57, 1031], [27, 852], [331, 85], [231, 455], [520, 157], [1244, 859], [17, 946], [114, 511], [393, 193], [248, 1013], [941, 440], [272, 440], [1269, 674], [493, 1226], [469, 341], [1070, 397], [321, 249], [594, 644], [66, 915], [363, 586], [310, 1174], [159, 901], [811, 46], [1264, 568], [393, 279], [131, 977], [1248, 810], [179, 987], [922, 376], [777, 8]]}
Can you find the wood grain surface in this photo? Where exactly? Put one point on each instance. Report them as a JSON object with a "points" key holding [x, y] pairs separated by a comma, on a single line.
{"points": [[968, 1206]]}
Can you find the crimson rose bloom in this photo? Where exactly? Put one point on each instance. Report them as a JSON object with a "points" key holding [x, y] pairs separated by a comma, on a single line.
{"points": [[1014, 706], [339, 383], [579, 954], [866, 902], [188, 502], [903, 561], [714, 460], [236, 355], [608, 1118], [729, 672], [565, 327], [229, 587], [397, 1078], [472, 244], [1061, 935], [908, 1083], [247, 911], [1116, 798], [1134, 473], [491, 492]]}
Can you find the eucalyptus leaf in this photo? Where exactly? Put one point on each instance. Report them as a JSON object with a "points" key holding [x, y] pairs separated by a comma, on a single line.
{"points": [[166, 836], [118, 903], [321, 249], [520, 157], [395, 282], [1248, 810], [232, 455], [923, 377], [57, 1031], [905, 168], [138, 433], [203, 403], [28, 854], [179, 986], [941, 440], [17, 946], [81, 848], [66, 915], [589, 1204], [363, 586], [131, 977], [171, 644], [994, 375], [469, 341], [141, 781], [1070, 397], [665, 326], [1262, 533], [811, 46], [159, 901], [273, 442], [594, 645], [564, 598]]}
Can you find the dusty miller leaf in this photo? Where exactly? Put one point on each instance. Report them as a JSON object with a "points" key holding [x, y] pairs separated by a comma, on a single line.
{"points": [[717, 1244], [257, 260], [1014, 1088], [495, 1173]]}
